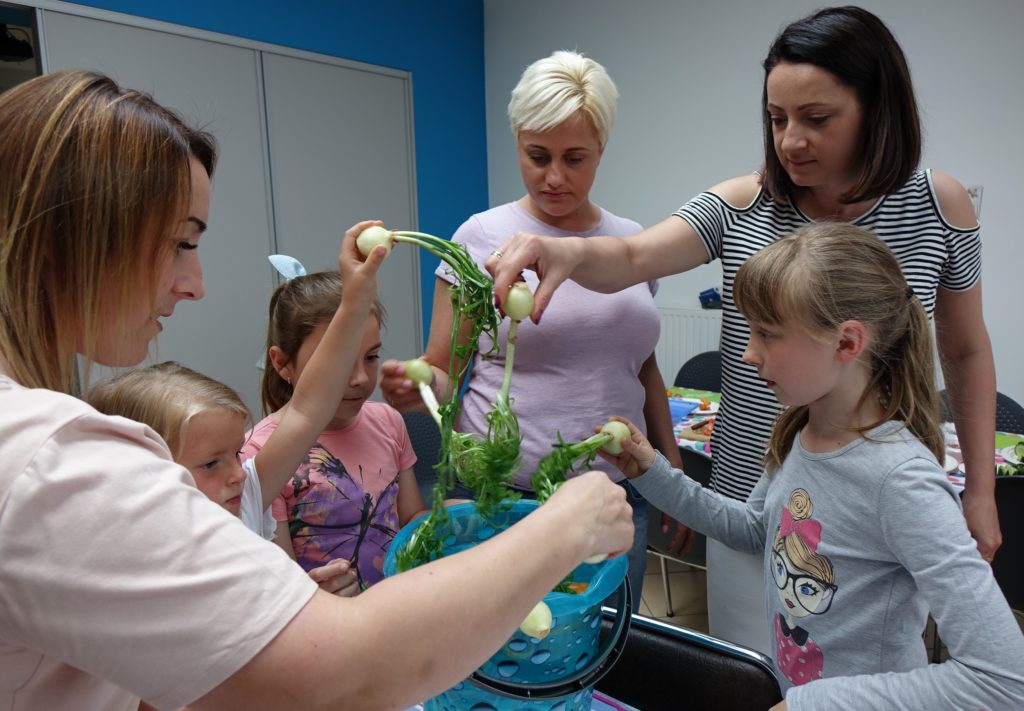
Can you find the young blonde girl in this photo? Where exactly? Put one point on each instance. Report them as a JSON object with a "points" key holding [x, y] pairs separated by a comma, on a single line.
{"points": [[354, 487], [860, 531], [203, 422]]}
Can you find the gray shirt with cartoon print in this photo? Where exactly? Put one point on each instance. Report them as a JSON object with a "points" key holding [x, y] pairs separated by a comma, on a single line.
{"points": [[859, 545]]}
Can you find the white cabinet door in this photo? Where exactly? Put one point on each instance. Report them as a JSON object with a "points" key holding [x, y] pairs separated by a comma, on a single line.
{"points": [[215, 86], [338, 145], [340, 152]]}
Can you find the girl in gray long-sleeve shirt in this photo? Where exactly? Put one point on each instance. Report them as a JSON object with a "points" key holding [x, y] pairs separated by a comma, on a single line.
{"points": [[861, 532]]}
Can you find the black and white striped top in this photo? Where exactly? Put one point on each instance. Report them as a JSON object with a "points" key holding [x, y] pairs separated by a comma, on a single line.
{"points": [[931, 252]]}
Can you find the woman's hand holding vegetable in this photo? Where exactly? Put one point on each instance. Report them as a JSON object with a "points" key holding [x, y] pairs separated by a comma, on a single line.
{"points": [[400, 391], [595, 509], [637, 454], [552, 259]]}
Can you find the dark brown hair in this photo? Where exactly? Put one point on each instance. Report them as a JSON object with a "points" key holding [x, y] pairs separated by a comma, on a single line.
{"points": [[858, 50], [297, 307]]}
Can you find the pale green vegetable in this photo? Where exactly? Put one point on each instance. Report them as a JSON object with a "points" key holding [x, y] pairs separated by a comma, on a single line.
{"points": [[518, 305], [618, 431], [371, 237], [519, 302], [420, 372], [538, 623]]}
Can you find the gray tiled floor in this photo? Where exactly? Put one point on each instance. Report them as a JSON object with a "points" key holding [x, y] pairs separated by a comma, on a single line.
{"points": [[688, 590]]}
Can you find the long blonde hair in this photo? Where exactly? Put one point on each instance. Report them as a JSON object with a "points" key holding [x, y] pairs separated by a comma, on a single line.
{"points": [[95, 182], [166, 396], [831, 272]]}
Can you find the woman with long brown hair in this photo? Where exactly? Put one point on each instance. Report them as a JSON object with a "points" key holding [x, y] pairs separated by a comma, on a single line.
{"points": [[121, 580]]}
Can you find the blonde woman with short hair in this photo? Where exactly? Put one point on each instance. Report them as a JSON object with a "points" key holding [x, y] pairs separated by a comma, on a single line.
{"points": [[561, 113]]}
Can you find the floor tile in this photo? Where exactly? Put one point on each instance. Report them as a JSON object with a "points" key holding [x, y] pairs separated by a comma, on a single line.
{"points": [[688, 590]]}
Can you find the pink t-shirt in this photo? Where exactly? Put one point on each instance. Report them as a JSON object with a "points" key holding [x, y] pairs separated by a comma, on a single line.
{"points": [[578, 367], [342, 502], [118, 578]]}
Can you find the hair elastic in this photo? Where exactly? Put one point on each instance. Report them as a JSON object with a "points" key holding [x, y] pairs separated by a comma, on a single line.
{"points": [[287, 267]]}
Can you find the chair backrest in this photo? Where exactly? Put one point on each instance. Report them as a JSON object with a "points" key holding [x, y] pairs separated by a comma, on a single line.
{"points": [[1009, 414], [1006, 567], [670, 668], [426, 442], [702, 372]]}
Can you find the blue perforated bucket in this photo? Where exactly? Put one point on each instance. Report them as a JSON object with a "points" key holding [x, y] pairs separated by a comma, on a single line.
{"points": [[556, 673]]}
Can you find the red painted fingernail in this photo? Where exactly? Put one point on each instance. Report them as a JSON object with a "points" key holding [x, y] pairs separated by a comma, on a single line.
{"points": [[536, 321]]}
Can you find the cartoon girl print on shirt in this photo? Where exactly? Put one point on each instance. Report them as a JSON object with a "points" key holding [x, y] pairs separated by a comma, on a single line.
{"points": [[806, 585], [333, 516]]}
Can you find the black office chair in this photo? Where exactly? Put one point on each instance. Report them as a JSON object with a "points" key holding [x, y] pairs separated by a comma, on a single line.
{"points": [[1006, 566], [665, 668], [426, 442], [702, 372], [1009, 413], [698, 467]]}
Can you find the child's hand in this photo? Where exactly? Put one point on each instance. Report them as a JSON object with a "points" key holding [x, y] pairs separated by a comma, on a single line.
{"points": [[637, 453], [359, 274], [337, 577]]}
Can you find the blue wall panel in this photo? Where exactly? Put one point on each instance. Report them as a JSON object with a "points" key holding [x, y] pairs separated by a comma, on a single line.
{"points": [[440, 43]]}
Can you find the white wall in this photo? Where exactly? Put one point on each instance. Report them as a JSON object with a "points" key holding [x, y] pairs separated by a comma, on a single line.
{"points": [[689, 77]]}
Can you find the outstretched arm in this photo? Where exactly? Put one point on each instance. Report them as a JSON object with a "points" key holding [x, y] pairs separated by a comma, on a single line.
{"points": [[658, 419], [325, 377], [435, 623], [604, 264], [609, 264]]}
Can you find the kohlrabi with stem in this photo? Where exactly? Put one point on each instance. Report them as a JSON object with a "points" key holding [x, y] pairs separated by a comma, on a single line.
{"points": [[553, 467], [472, 296], [420, 373], [483, 463], [538, 622], [518, 305]]}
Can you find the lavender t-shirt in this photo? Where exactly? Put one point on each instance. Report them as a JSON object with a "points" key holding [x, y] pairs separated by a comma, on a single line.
{"points": [[580, 365]]}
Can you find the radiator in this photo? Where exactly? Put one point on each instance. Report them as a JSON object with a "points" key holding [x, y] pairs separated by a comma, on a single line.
{"points": [[684, 334]]}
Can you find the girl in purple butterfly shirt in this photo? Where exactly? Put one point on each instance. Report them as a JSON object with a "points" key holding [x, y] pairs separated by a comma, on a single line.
{"points": [[356, 487]]}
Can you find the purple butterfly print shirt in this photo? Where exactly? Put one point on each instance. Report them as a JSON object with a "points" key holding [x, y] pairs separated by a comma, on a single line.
{"points": [[342, 502]]}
